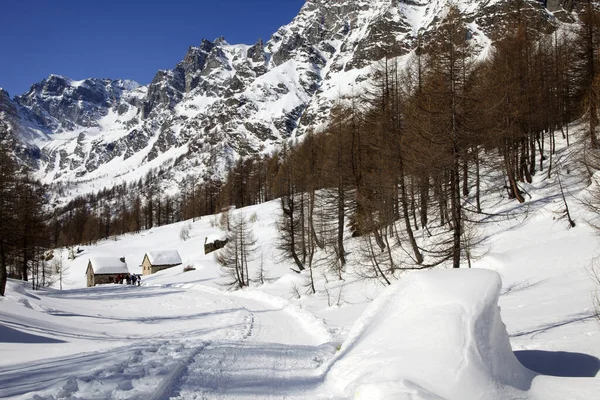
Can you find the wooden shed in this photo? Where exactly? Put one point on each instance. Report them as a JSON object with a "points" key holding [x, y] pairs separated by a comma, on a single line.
{"points": [[102, 270], [155, 261]]}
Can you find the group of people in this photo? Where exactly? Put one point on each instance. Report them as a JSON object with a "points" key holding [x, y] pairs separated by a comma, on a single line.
{"points": [[130, 279]]}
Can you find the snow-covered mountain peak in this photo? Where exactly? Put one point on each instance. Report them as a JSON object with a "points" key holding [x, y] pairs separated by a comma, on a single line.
{"points": [[61, 104], [7, 107], [220, 41], [225, 100]]}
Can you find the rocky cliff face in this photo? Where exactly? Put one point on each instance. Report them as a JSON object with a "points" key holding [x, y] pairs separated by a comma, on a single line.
{"points": [[223, 100], [61, 105]]}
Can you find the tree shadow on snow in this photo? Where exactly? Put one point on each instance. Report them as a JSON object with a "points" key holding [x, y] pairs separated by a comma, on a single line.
{"points": [[574, 319], [520, 286], [559, 363], [10, 335], [116, 292], [149, 319]]}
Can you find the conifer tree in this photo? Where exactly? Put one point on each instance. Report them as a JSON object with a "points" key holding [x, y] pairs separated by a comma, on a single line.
{"points": [[587, 66], [237, 254], [8, 223]]}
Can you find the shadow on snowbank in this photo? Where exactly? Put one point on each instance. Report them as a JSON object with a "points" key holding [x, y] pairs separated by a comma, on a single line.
{"points": [[559, 363], [10, 335]]}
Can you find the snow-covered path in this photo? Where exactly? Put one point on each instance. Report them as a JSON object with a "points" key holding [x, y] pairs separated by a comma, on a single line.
{"points": [[156, 342], [276, 359]]}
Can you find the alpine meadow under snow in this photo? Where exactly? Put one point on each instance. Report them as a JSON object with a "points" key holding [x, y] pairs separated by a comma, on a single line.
{"points": [[386, 200]]}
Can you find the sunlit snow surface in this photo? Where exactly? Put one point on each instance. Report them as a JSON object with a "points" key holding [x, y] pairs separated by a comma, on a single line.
{"points": [[432, 335]]}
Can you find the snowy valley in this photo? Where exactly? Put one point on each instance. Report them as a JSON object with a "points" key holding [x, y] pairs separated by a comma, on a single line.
{"points": [[386, 200], [436, 334]]}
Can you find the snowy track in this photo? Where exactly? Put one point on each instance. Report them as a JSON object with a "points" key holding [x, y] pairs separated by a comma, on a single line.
{"points": [[159, 343], [275, 359]]}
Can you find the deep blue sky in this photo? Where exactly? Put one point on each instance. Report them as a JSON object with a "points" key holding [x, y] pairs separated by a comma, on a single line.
{"points": [[129, 39]]}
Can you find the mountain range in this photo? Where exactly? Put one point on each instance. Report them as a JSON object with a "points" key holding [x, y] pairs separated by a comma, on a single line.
{"points": [[223, 101]]}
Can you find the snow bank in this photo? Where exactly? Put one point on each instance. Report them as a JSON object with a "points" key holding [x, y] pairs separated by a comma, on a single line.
{"points": [[433, 335]]}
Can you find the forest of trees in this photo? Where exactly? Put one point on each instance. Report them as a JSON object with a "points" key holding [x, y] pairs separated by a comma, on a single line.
{"points": [[24, 235], [402, 165]]}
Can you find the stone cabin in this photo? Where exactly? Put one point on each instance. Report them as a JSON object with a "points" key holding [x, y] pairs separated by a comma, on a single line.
{"points": [[214, 243], [101, 270], [155, 261]]}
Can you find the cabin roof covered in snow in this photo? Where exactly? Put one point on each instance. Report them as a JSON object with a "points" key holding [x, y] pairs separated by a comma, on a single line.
{"points": [[165, 257], [108, 265], [215, 236]]}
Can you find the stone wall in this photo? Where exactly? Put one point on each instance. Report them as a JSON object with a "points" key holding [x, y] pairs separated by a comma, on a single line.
{"points": [[155, 268]]}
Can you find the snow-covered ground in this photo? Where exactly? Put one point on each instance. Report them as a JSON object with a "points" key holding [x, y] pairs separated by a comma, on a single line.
{"points": [[431, 335]]}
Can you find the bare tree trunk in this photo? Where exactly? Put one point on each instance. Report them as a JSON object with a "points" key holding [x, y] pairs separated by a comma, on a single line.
{"points": [[551, 162], [439, 186], [523, 163], [456, 214], [477, 181], [465, 188], [541, 149], [3, 274], [409, 231], [424, 200], [290, 212], [373, 258], [514, 190], [532, 154], [341, 222], [413, 207], [562, 193]]}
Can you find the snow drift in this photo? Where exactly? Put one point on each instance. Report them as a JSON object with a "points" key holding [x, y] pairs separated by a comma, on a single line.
{"points": [[434, 335]]}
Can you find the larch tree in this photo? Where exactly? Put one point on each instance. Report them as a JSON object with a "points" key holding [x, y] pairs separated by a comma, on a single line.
{"points": [[7, 213], [237, 254], [290, 222], [587, 66], [446, 103]]}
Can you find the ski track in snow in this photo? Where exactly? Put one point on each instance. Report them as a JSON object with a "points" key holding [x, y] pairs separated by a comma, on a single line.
{"points": [[226, 358], [274, 359]]}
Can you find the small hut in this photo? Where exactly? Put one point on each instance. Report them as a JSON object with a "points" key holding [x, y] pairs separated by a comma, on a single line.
{"points": [[214, 243], [104, 270], [155, 261]]}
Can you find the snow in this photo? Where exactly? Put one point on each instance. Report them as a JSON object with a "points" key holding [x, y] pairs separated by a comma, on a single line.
{"points": [[451, 316], [107, 265], [216, 236], [519, 324], [164, 257]]}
